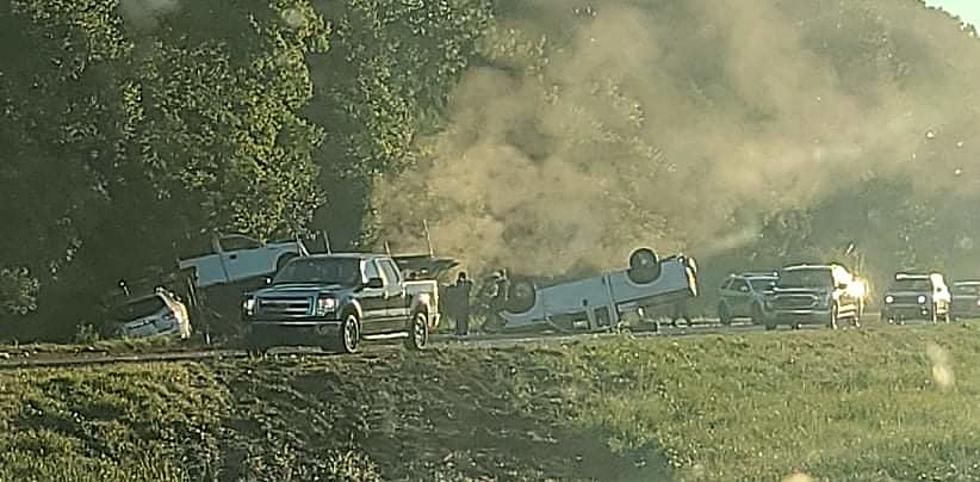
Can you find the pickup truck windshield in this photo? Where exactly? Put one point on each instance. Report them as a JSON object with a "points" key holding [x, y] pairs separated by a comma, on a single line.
{"points": [[805, 278], [342, 271], [912, 285]]}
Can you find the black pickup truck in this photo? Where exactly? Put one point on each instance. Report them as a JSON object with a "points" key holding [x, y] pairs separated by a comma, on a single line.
{"points": [[337, 300]]}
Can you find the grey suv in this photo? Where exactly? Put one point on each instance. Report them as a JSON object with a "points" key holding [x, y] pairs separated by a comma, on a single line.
{"points": [[745, 295]]}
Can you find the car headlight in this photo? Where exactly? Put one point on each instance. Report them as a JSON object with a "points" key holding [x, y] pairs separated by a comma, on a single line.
{"points": [[248, 306], [325, 305], [922, 299], [889, 299]]}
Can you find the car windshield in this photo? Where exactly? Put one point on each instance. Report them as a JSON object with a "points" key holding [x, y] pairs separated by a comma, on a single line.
{"points": [[800, 278], [967, 289], [911, 285], [762, 284], [342, 271], [138, 308]]}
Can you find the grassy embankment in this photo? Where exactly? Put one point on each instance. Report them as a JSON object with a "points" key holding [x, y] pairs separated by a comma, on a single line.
{"points": [[882, 404]]}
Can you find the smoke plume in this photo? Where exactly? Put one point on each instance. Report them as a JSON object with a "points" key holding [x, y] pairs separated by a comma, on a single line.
{"points": [[606, 126]]}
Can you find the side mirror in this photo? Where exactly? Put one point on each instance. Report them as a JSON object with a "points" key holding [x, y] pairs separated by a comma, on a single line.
{"points": [[375, 283]]}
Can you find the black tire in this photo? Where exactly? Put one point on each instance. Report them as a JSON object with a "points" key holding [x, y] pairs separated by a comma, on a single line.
{"points": [[349, 334], [724, 314], [521, 296], [644, 266], [418, 332], [770, 326], [834, 323]]}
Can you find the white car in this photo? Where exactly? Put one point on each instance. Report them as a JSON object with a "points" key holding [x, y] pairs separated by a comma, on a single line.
{"points": [[158, 314], [235, 258], [600, 302]]}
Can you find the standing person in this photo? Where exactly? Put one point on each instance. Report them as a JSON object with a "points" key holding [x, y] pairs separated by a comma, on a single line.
{"points": [[462, 289]]}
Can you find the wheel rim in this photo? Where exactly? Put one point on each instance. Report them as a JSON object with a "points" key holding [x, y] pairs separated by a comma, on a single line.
{"points": [[419, 331], [350, 335]]}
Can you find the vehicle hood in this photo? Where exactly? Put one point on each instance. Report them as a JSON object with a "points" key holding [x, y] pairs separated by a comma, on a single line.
{"points": [[303, 289], [818, 291]]}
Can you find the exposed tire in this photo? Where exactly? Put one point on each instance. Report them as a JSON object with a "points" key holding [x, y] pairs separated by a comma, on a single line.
{"points": [[521, 296], [418, 332], [349, 335], [724, 314], [644, 266]]}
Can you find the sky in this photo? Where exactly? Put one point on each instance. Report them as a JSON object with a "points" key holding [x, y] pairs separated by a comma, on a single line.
{"points": [[968, 10]]}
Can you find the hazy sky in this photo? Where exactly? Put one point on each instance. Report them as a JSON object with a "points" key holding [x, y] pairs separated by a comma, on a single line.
{"points": [[968, 10]]}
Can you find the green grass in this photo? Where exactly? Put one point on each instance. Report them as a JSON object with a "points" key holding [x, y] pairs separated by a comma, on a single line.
{"points": [[853, 405]]}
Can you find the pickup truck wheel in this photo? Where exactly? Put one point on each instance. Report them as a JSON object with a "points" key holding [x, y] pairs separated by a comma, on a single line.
{"points": [[644, 266], [349, 335], [418, 332]]}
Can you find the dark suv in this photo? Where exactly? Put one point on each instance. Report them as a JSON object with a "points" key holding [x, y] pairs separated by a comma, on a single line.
{"points": [[336, 300], [917, 296]]}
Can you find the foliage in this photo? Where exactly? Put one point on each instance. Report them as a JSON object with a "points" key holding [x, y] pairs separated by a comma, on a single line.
{"points": [[18, 291], [128, 130]]}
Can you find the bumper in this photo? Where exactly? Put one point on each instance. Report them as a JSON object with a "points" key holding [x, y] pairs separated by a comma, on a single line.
{"points": [[292, 333], [907, 312], [803, 316]]}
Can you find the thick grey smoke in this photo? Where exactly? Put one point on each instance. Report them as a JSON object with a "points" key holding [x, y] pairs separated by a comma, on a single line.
{"points": [[678, 124]]}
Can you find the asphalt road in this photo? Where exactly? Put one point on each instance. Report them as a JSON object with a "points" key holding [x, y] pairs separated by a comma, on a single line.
{"points": [[700, 328]]}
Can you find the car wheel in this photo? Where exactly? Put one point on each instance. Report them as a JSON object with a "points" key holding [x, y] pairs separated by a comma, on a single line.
{"points": [[349, 335], [521, 296], [797, 326], [833, 321], [418, 332], [770, 326], [724, 314]]}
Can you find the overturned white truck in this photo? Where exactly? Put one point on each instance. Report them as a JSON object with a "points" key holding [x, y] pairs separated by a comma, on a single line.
{"points": [[599, 303]]}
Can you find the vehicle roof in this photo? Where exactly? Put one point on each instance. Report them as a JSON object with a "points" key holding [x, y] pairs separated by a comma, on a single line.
{"points": [[801, 267], [346, 256], [756, 275]]}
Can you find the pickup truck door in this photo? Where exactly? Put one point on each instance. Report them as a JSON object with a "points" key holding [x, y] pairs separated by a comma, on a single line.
{"points": [[397, 302], [245, 258], [373, 301]]}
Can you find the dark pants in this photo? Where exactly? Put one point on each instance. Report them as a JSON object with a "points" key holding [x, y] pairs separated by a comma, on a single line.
{"points": [[463, 322]]}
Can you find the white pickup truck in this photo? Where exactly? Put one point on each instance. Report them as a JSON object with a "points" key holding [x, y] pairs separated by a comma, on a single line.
{"points": [[235, 258], [599, 303]]}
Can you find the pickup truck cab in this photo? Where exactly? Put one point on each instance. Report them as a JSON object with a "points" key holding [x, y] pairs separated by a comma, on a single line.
{"points": [[919, 296], [337, 300], [236, 258], [824, 294]]}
